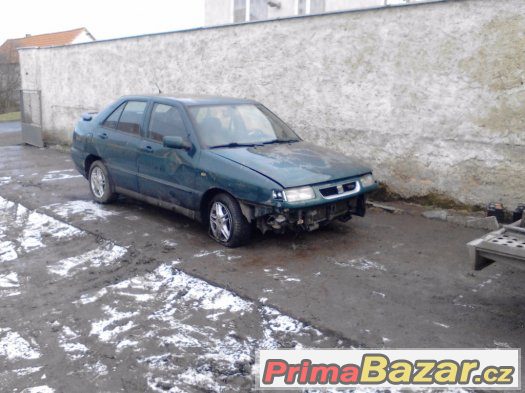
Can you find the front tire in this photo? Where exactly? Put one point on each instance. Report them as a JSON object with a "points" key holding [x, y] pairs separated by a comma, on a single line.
{"points": [[100, 183], [227, 224]]}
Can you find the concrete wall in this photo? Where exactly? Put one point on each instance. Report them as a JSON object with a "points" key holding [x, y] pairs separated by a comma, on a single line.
{"points": [[431, 95]]}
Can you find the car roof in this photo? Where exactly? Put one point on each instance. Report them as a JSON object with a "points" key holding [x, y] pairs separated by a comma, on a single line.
{"points": [[192, 99]]}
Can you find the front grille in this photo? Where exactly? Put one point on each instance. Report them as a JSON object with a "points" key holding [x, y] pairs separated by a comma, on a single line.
{"points": [[339, 189]]}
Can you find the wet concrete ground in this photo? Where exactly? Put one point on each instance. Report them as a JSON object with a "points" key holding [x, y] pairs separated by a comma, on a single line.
{"points": [[10, 133], [142, 298]]}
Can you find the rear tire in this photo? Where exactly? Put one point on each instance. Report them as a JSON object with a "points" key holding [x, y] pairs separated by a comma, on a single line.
{"points": [[227, 224], [100, 183]]}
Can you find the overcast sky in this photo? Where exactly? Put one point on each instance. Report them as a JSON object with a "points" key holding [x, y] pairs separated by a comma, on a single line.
{"points": [[103, 18]]}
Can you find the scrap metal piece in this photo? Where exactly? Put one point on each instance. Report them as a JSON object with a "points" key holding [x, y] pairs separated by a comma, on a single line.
{"points": [[504, 245]]}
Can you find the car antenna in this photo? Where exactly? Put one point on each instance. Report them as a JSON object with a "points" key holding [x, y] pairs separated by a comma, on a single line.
{"points": [[160, 91]]}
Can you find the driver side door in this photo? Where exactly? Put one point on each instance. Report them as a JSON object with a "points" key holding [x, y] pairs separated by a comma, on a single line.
{"points": [[166, 173]]}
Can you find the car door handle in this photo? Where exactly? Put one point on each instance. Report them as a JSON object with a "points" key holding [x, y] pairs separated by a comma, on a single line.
{"points": [[103, 136], [147, 149]]}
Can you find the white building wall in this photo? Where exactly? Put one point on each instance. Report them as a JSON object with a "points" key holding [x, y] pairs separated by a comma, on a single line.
{"points": [[220, 12], [338, 5]]}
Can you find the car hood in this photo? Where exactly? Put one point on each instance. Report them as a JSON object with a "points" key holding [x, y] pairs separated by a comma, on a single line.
{"points": [[295, 164]]}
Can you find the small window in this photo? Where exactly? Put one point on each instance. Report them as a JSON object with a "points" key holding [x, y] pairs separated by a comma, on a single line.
{"points": [[112, 120], [301, 7], [317, 6], [131, 118], [258, 10], [166, 120], [239, 11]]}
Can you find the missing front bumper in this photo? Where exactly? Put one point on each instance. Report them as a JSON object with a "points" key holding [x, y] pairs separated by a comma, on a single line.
{"points": [[309, 219]]}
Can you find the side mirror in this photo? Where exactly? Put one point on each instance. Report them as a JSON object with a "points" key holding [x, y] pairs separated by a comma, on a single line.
{"points": [[176, 142]]}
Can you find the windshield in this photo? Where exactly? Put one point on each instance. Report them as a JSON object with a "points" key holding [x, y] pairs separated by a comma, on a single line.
{"points": [[234, 125]]}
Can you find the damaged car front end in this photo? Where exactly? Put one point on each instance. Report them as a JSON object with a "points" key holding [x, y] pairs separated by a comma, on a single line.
{"points": [[310, 207]]}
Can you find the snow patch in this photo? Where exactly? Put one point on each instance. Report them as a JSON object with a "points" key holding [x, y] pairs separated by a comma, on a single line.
{"points": [[104, 255], [13, 346], [105, 329], [89, 210], [362, 264], [278, 274], [22, 372], [37, 225], [66, 340], [501, 344], [379, 294], [9, 280], [221, 254], [39, 389], [60, 175], [7, 251], [184, 326], [9, 284]]}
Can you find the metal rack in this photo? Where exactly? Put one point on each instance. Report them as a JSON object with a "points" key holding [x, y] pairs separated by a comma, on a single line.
{"points": [[505, 245]]}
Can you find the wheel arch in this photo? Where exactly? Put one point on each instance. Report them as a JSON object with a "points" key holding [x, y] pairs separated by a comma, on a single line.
{"points": [[208, 196], [206, 199], [90, 159]]}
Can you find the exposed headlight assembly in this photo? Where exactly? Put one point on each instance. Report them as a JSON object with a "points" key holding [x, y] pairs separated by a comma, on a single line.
{"points": [[299, 194], [367, 180]]}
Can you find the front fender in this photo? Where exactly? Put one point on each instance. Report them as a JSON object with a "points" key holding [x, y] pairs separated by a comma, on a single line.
{"points": [[243, 183]]}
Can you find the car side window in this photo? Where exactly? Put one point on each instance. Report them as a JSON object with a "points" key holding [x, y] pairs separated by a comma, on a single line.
{"points": [[131, 117], [112, 120], [166, 120]]}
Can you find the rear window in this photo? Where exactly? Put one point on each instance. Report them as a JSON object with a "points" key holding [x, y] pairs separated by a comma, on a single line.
{"points": [[131, 117], [112, 120]]}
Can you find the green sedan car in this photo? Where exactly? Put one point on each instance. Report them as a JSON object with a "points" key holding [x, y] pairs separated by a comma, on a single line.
{"points": [[229, 163]]}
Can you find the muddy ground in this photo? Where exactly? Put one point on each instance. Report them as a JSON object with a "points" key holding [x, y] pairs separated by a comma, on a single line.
{"points": [[130, 297]]}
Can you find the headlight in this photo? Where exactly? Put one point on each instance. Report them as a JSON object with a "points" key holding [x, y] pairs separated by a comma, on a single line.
{"points": [[299, 194], [367, 180]]}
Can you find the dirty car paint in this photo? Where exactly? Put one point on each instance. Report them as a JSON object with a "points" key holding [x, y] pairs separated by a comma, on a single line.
{"points": [[250, 174]]}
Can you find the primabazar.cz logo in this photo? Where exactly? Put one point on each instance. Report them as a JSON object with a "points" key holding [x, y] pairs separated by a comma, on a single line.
{"points": [[401, 368]]}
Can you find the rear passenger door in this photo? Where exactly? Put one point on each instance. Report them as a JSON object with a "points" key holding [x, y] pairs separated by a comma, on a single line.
{"points": [[165, 173], [121, 135]]}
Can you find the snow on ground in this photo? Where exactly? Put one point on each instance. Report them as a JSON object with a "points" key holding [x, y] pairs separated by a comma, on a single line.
{"points": [[219, 254], [13, 346], [89, 210], [173, 331], [39, 389], [279, 273], [187, 332], [9, 284], [104, 255], [362, 264], [63, 174], [68, 342], [31, 229]]}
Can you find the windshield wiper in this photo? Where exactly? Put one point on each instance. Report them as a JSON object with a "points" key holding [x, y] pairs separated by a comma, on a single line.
{"points": [[281, 141], [234, 144]]}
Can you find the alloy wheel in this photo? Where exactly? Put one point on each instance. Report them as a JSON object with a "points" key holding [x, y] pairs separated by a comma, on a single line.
{"points": [[98, 182], [220, 222]]}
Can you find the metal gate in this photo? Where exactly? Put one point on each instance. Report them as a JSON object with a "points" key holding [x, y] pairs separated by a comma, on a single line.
{"points": [[31, 108]]}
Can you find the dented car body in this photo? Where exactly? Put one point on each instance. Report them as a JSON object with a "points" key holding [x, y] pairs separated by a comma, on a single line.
{"points": [[230, 163]]}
